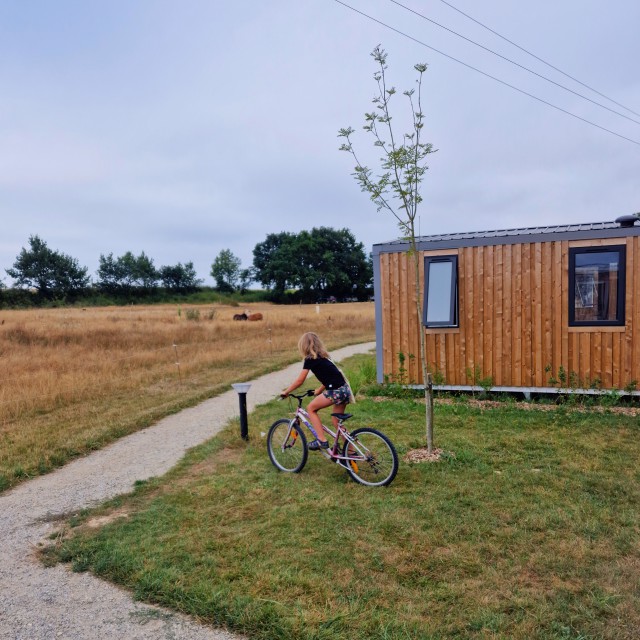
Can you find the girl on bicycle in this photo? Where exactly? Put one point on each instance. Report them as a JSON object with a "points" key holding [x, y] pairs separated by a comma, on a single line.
{"points": [[334, 389]]}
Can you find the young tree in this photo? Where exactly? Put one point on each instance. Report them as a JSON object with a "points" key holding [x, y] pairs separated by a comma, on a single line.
{"points": [[50, 272], [396, 188], [226, 270]]}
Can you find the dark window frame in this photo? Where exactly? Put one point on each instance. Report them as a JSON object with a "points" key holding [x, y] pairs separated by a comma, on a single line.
{"points": [[621, 250], [454, 307]]}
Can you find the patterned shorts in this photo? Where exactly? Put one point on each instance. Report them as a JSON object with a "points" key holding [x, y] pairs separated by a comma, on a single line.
{"points": [[340, 395]]}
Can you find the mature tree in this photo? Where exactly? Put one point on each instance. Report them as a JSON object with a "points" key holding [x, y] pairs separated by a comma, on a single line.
{"points": [[319, 263], [332, 263], [144, 272], [273, 262], [179, 277], [51, 273], [129, 265], [226, 270], [111, 274], [396, 187], [122, 274], [246, 276]]}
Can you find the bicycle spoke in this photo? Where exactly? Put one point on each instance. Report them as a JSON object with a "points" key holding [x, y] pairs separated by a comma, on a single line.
{"points": [[375, 461], [287, 446]]}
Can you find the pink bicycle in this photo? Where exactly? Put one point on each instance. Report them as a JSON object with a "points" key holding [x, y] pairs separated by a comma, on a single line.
{"points": [[367, 454]]}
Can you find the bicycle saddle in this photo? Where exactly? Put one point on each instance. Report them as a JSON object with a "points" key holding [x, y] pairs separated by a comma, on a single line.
{"points": [[342, 416]]}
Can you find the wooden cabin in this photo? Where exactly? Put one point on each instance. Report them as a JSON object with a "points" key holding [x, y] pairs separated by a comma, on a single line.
{"points": [[533, 310]]}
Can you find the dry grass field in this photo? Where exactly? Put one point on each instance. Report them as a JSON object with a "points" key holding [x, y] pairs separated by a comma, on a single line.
{"points": [[74, 379]]}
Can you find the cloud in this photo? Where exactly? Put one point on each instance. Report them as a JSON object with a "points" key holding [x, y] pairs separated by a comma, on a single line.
{"points": [[184, 130]]}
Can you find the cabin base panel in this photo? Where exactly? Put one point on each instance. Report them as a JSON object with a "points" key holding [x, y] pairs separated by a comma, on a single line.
{"points": [[526, 391]]}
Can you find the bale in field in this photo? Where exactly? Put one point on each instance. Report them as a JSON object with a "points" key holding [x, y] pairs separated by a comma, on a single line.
{"points": [[252, 317], [240, 316]]}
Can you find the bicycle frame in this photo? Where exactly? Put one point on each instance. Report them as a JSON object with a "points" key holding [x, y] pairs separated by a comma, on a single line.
{"points": [[332, 452], [368, 456]]}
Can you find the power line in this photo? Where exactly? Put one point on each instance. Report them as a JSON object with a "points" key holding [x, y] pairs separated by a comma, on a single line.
{"points": [[484, 73], [517, 64], [533, 55]]}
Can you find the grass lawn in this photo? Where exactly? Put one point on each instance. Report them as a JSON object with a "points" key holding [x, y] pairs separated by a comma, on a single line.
{"points": [[529, 531]]}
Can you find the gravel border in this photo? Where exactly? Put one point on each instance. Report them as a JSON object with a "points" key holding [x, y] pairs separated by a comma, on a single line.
{"points": [[38, 603]]}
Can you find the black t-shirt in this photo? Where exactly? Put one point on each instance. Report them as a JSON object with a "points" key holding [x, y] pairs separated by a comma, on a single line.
{"points": [[327, 372]]}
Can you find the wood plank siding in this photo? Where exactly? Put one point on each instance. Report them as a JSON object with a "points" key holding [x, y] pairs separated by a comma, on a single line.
{"points": [[513, 319]]}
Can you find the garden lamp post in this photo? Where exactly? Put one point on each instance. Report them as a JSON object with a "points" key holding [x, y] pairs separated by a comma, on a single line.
{"points": [[242, 388]]}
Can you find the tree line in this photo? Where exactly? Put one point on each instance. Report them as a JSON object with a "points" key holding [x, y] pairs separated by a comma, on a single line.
{"points": [[307, 266]]}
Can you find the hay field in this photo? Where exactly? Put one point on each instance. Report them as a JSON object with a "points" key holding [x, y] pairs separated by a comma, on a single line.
{"points": [[73, 380]]}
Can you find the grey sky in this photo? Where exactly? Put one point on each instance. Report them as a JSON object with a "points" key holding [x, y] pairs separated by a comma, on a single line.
{"points": [[181, 129]]}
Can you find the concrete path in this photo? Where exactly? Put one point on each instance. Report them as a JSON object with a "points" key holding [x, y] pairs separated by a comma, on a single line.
{"points": [[37, 603]]}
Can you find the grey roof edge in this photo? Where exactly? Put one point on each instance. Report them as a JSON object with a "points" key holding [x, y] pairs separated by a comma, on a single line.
{"points": [[587, 231]]}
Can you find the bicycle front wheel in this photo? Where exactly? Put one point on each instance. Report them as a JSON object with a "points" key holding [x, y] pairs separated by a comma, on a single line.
{"points": [[287, 446], [373, 460]]}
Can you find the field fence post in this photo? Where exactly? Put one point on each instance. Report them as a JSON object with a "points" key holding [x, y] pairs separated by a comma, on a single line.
{"points": [[175, 348]]}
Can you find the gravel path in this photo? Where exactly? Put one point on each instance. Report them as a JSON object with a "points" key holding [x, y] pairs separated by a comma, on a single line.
{"points": [[39, 603]]}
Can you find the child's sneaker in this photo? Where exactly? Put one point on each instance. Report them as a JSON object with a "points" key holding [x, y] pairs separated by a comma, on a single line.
{"points": [[316, 445]]}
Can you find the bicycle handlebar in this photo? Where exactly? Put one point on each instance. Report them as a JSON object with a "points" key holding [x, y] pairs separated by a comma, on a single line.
{"points": [[298, 397]]}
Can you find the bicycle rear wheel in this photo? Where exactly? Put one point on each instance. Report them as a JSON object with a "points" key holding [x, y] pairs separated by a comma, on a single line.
{"points": [[374, 462], [287, 446]]}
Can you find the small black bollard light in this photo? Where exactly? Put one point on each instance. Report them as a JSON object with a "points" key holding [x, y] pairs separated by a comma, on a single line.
{"points": [[242, 388]]}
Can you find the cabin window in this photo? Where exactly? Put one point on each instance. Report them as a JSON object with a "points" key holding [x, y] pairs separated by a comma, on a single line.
{"points": [[597, 286], [441, 291]]}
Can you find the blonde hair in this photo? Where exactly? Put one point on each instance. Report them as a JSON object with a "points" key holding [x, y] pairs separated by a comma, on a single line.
{"points": [[310, 346]]}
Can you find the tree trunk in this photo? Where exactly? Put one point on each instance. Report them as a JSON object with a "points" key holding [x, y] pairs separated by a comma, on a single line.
{"points": [[426, 376], [428, 400]]}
